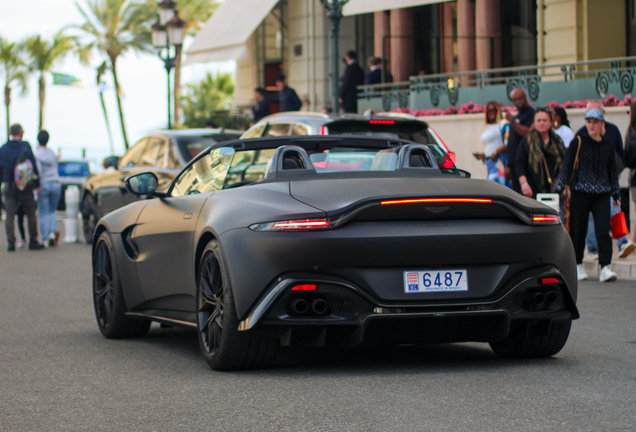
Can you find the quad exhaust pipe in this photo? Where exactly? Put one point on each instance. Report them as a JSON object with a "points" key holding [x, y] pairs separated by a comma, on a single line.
{"points": [[300, 306], [539, 298]]}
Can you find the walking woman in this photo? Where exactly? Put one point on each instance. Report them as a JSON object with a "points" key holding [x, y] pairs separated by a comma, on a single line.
{"points": [[630, 157], [589, 169], [562, 125], [494, 140], [50, 189], [539, 156]]}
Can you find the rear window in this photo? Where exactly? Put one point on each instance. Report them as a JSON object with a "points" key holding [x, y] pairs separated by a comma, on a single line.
{"points": [[346, 159], [72, 169], [192, 146], [414, 131]]}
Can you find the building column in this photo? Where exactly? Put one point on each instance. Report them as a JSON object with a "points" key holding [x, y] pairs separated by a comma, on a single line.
{"points": [[466, 33], [381, 28], [488, 25], [448, 33], [402, 47]]}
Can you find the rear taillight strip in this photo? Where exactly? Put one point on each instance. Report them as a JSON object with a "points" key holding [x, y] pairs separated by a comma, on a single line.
{"points": [[292, 225], [438, 201]]}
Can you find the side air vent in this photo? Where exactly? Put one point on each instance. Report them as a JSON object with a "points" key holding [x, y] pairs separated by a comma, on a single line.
{"points": [[129, 245]]}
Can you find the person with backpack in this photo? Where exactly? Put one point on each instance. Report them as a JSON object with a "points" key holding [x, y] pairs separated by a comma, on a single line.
{"points": [[50, 188], [19, 180]]}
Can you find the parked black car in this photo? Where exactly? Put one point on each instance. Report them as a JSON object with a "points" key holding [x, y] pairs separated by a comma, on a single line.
{"points": [[164, 153], [343, 239]]}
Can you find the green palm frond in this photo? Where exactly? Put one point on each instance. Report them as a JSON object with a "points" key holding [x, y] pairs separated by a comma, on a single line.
{"points": [[44, 54], [13, 66]]}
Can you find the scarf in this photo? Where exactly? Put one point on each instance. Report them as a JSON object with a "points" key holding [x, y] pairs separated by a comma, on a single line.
{"points": [[536, 158]]}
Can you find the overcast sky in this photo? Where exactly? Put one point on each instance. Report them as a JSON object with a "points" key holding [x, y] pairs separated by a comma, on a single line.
{"points": [[73, 116]]}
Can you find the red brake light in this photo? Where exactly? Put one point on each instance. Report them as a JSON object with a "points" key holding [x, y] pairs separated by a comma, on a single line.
{"points": [[383, 122], [306, 287], [438, 200], [323, 130], [548, 281], [448, 163], [301, 224], [451, 155], [545, 220]]}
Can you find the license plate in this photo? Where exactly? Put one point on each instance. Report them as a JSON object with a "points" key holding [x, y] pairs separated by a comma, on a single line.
{"points": [[435, 281]]}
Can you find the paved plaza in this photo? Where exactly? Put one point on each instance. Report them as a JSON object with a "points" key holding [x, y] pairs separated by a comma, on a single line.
{"points": [[58, 373]]}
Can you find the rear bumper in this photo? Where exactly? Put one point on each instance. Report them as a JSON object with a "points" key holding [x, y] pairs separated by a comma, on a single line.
{"points": [[372, 257], [353, 316]]}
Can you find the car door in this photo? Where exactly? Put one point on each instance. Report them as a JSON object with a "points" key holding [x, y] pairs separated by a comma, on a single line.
{"points": [[164, 233]]}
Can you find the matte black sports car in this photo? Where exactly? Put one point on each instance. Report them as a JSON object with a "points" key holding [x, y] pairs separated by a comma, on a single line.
{"points": [[338, 240]]}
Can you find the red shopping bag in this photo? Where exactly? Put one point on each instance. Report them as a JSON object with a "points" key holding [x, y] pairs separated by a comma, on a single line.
{"points": [[619, 225]]}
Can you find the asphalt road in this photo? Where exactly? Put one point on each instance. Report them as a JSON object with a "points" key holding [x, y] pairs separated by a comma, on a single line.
{"points": [[58, 373]]}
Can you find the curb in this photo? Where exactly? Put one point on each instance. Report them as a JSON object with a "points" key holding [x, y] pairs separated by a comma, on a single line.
{"points": [[624, 270]]}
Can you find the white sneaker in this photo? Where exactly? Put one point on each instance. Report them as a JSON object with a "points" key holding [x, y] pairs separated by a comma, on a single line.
{"points": [[626, 249], [580, 272], [22, 244], [593, 255], [607, 275]]}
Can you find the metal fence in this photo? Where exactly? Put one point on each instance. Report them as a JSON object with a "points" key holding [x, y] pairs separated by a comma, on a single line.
{"points": [[543, 84]]}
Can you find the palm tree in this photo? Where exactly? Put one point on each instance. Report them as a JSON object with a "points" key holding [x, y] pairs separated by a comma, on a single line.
{"points": [[101, 71], [201, 99], [113, 27], [194, 13], [13, 69], [44, 55]]}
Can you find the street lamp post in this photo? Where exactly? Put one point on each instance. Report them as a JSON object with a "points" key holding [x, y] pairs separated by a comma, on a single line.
{"points": [[334, 12], [166, 32]]}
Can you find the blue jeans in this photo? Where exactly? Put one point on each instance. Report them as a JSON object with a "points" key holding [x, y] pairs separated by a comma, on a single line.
{"points": [[590, 240], [493, 171], [48, 199]]}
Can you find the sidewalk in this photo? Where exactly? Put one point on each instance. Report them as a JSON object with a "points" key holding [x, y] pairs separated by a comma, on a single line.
{"points": [[625, 268]]}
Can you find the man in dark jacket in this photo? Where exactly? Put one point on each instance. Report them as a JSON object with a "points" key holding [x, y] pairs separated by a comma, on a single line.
{"points": [[289, 100], [375, 74], [260, 108], [613, 135], [10, 154], [519, 127], [352, 78]]}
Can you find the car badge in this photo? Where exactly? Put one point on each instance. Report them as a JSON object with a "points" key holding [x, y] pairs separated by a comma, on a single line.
{"points": [[437, 209]]}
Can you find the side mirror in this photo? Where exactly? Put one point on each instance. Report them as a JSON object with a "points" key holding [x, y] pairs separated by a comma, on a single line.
{"points": [[111, 161], [142, 184], [463, 173]]}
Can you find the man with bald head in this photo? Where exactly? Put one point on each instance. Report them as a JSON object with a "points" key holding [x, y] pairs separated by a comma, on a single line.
{"points": [[613, 135], [519, 128]]}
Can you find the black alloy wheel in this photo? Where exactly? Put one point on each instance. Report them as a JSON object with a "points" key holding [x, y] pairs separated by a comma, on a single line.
{"points": [[103, 290], [210, 311], [108, 298], [89, 220], [223, 346]]}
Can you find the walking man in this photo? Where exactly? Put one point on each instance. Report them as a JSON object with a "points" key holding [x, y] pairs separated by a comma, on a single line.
{"points": [[352, 78], [289, 100], [613, 135], [519, 128], [15, 152], [50, 189], [260, 107]]}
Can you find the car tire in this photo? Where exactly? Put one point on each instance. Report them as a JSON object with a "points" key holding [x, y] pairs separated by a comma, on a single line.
{"points": [[223, 347], [108, 297], [89, 219], [533, 341]]}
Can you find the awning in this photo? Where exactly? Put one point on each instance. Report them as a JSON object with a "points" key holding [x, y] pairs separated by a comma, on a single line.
{"points": [[224, 35], [357, 7]]}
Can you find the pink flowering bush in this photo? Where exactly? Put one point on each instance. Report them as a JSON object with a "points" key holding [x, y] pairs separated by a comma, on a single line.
{"points": [[472, 108]]}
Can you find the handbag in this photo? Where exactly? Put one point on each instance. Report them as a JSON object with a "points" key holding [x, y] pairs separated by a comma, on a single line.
{"points": [[619, 225], [574, 174]]}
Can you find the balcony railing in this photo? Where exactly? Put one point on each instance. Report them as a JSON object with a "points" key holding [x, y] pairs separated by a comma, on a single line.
{"points": [[546, 83]]}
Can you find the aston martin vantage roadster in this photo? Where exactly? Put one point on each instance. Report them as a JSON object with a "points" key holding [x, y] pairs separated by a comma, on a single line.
{"points": [[332, 240]]}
